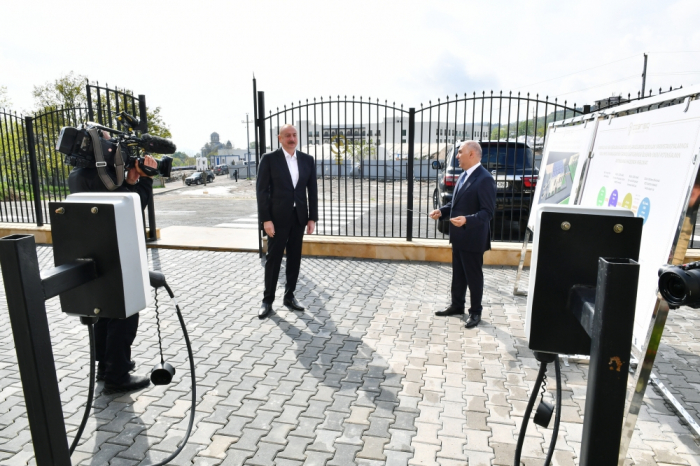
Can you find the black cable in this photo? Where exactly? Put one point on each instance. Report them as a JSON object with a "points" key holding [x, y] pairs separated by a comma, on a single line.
{"points": [[91, 392], [555, 431], [194, 383], [160, 342], [528, 412]]}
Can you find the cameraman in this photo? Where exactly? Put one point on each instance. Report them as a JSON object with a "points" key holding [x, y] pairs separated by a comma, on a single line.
{"points": [[114, 337]]}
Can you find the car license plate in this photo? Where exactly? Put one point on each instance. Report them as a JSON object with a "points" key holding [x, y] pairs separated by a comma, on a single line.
{"points": [[502, 184]]}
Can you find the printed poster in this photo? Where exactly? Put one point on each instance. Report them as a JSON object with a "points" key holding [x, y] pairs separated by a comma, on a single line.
{"points": [[560, 169], [646, 162]]}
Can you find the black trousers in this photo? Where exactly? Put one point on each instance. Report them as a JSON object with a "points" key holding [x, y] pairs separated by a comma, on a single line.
{"points": [[289, 237], [467, 272], [113, 339]]}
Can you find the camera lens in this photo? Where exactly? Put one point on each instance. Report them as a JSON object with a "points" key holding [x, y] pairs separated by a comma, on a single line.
{"points": [[676, 288]]}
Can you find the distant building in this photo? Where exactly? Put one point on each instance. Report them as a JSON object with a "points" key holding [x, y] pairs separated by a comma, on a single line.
{"points": [[219, 153], [612, 101], [390, 134]]}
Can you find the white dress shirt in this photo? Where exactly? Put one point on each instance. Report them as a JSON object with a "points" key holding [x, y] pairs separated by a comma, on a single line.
{"points": [[293, 164]]}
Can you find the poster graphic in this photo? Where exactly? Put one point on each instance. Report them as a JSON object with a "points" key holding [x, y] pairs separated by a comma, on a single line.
{"points": [[646, 163], [557, 178], [566, 149]]}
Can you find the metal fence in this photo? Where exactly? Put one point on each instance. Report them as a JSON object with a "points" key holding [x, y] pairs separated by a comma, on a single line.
{"points": [[375, 158], [32, 172]]}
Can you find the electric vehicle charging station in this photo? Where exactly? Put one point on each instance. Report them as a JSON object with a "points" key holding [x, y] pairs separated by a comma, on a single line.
{"points": [[101, 271], [581, 300]]}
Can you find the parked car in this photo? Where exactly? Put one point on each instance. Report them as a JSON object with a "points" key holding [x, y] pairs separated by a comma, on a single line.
{"points": [[198, 178], [512, 166], [221, 170]]}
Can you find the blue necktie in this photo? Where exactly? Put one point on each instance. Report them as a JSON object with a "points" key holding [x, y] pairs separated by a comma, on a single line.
{"points": [[462, 177]]}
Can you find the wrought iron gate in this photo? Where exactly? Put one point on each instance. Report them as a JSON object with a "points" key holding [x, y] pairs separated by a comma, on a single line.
{"points": [[375, 159]]}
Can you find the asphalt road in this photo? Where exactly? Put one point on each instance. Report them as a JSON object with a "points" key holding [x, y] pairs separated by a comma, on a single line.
{"points": [[229, 204]]}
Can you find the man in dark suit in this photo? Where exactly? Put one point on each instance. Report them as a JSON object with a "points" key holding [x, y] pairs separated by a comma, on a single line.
{"points": [[284, 179], [470, 213]]}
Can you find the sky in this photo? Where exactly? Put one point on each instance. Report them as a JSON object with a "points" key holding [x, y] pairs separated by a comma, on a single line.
{"points": [[196, 60]]}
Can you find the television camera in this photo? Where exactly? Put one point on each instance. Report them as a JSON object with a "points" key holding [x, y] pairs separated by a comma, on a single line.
{"points": [[680, 285], [86, 146]]}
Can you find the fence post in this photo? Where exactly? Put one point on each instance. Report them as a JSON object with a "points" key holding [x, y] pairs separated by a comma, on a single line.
{"points": [[91, 114], [409, 192], [143, 114], [152, 236], [259, 150], [33, 170], [261, 127]]}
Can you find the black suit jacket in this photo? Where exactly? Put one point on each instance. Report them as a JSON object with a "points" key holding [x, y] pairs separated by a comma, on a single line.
{"points": [[476, 201], [276, 193]]}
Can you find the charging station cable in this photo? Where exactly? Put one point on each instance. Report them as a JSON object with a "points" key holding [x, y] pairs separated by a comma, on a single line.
{"points": [[88, 321], [544, 359], [157, 280]]}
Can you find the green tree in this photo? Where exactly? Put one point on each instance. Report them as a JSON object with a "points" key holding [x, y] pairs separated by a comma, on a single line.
{"points": [[497, 134], [67, 91], [156, 124], [362, 149], [5, 101]]}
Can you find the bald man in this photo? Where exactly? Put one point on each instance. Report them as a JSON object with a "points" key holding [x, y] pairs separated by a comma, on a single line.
{"points": [[285, 177], [470, 212]]}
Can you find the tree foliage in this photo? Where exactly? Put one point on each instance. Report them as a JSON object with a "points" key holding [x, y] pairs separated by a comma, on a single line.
{"points": [[66, 91], [5, 101]]}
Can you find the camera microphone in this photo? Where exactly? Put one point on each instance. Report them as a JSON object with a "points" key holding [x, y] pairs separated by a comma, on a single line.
{"points": [[157, 145]]}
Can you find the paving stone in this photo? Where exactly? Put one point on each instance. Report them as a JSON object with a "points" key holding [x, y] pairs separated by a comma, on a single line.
{"points": [[344, 455], [373, 448], [366, 375], [218, 446]]}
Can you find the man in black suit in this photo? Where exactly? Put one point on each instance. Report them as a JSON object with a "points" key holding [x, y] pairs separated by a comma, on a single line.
{"points": [[284, 179], [470, 212]]}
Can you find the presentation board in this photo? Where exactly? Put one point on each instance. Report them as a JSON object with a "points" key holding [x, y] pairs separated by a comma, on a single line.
{"points": [[559, 178], [646, 162]]}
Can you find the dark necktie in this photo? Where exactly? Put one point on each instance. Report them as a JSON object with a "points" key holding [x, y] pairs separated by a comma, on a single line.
{"points": [[460, 183]]}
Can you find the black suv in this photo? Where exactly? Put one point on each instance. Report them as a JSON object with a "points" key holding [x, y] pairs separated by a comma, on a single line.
{"points": [[512, 167], [221, 170], [198, 178]]}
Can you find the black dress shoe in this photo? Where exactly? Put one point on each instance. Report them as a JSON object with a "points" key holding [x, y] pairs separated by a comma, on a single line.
{"points": [[135, 382], [473, 320], [450, 311], [101, 370], [265, 310], [293, 304]]}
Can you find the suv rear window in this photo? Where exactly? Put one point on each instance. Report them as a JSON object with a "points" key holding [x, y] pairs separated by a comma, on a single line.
{"points": [[506, 155], [499, 156]]}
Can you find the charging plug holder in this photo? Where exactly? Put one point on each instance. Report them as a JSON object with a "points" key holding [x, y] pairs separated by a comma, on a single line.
{"points": [[163, 373], [543, 414]]}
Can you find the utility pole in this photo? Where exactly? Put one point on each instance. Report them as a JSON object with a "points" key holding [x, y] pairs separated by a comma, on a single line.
{"points": [[247, 129], [644, 75]]}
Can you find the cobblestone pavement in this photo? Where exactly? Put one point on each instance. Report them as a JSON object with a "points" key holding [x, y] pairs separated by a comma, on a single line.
{"points": [[365, 376]]}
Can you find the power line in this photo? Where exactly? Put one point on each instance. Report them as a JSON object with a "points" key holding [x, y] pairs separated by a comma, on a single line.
{"points": [[576, 72], [675, 73], [599, 85], [680, 51]]}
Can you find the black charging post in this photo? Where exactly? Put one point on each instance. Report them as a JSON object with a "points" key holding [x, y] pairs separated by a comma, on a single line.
{"points": [[27, 289], [582, 301], [606, 313]]}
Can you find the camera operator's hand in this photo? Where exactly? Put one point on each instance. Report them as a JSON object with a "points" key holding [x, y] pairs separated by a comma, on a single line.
{"points": [[147, 161], [133, 174]]}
